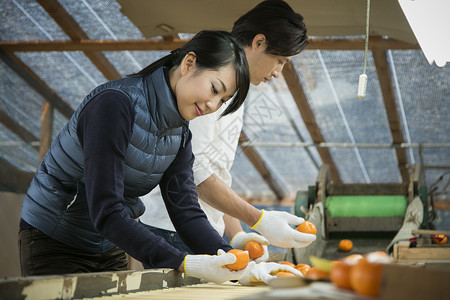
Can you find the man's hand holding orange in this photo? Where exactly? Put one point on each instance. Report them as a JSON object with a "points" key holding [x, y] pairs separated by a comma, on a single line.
{"points": [[275, 226]]}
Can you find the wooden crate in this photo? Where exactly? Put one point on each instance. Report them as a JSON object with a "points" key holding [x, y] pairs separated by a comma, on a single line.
{"points": [[424, 248]]}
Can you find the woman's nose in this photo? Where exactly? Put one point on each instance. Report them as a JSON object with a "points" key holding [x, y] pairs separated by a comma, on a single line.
{"points": [[214, 104]]}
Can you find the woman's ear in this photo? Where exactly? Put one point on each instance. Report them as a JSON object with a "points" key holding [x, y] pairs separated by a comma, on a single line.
{"points": [[188, 63], [259, 41]]}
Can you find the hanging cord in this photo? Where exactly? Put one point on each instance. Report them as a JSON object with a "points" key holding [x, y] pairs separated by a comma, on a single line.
{"points": [[367, 36], [362, 85]]}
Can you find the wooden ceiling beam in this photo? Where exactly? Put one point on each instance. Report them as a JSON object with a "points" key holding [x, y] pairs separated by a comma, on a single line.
{"points": [[36, 83], [91, 45], [170, 44], [262, 168], [384, 77], [295, 87], [76, 33], [377, 42]]}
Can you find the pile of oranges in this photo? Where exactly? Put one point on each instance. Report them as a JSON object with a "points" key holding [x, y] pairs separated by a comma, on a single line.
{"points": [[361, 274], [302, 268]]}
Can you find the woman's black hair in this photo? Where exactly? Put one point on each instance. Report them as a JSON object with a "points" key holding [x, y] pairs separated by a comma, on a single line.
{"points": [[283, 28], [213, 50]]}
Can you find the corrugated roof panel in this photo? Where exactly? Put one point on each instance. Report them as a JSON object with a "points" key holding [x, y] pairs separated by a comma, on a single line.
{"points": [[129, 62], [19, 101], [24, 20], [70, 74], [424, 95], [102, 20], [23, 156], [330, 80]]}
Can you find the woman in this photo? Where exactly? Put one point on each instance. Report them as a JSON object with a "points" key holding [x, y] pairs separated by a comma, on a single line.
{"points": [[126, 137]]}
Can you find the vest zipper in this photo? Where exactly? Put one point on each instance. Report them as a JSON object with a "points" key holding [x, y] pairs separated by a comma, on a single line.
{"points": [[184, 136]]}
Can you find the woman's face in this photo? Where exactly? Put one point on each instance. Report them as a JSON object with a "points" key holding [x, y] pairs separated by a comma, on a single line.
{"points": [[204, 92]]}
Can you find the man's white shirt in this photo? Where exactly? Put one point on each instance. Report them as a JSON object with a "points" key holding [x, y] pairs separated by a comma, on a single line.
{"points": [[214, 143]]}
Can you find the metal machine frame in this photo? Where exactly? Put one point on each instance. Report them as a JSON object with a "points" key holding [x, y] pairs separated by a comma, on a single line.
{"points": [[324, 188]]}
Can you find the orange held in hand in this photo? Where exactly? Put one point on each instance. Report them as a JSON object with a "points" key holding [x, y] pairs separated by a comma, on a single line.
{"points": [[288, 263], [254, 249], [345, 245], [285, 274], [241, 260], [307, 227]]}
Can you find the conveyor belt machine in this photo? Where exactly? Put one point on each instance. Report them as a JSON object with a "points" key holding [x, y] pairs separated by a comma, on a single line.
{"points": [[377, 207]]}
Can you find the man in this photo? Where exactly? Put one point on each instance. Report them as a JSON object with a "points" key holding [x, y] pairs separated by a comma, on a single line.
{"points": [[271, 33]]}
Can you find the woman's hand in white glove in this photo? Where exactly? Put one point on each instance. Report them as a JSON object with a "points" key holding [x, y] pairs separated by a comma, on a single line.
{"points": [[212, 267], [275, 227], [262, 273], [242, 238]]}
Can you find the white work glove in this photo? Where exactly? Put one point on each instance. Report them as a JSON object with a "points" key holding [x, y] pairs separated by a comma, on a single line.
{"points": [[274, 226], [261, 273], [242, 238], [212, 267]]}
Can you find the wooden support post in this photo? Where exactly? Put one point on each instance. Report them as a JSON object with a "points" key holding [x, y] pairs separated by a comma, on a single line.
{"points": [[46, 129], [296, 89], [384, 77]]}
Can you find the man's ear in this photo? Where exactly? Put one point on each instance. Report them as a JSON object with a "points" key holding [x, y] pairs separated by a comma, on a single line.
{"points": [[259, 41], [188, 63]]}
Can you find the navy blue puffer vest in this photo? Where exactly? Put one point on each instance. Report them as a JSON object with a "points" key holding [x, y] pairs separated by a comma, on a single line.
{"points": [[55, 202]]}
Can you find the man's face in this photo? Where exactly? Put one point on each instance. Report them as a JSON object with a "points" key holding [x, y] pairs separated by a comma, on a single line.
{"points": [[263, 66]]}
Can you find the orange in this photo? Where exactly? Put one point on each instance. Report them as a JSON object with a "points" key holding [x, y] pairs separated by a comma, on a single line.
{"points": [[352, 259], [317, 274], [303, 268], [345, 245], [365, 278], [307, 227], [241, 260], [285, 274], [380, 257], [440, 239], [380, 253], [287, 263], [254, 249], [340, 275]]}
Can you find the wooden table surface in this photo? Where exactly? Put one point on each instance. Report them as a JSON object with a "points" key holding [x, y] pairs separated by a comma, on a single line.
{"points": [[204, 291]]}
